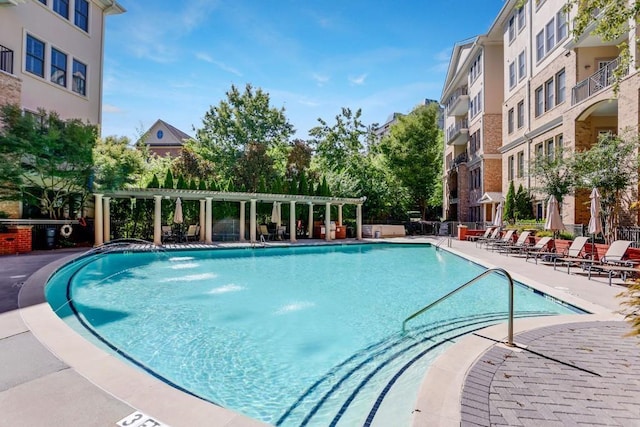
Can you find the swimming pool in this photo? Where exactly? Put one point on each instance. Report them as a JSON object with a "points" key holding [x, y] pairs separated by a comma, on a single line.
{"points": [[290, 336]]}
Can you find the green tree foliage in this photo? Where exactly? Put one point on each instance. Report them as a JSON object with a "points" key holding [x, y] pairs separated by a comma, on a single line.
{"points": [[154, 183], [254, 166], [47, 160], [510, 204], [523, 204], [234, 128], [168, 180], [413, 151], [116, 164], [554, 175], [192, 164], [611, 165]]}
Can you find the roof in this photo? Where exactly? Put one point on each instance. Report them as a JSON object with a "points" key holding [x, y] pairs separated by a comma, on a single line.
{"points": [[491, 197], [176, 137]]}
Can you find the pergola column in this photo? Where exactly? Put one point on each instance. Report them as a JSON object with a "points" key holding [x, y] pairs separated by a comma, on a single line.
{"points": [[339, 214], [97, 221], [327, 222], [359, 222], [107, 219], [310, 223], [292, 220], [252, 221], [157, 220], [242, 219], [202, 219], [208, 221]]}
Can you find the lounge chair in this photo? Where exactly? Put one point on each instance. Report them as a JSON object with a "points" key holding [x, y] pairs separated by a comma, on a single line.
{"points": [[507, 239], [193, 233], [574, 255], [493, 236], [518, 246], [486, 235], [540, 249], [613, 260]]}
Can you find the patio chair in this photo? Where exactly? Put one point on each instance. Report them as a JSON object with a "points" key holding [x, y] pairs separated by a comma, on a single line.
{"points": [[518, 246], [540, 249], [264, 232], [193, 233], [575, 255], [167, 233], [507, 239], [494, 236], [613, 260], [486, 235]]}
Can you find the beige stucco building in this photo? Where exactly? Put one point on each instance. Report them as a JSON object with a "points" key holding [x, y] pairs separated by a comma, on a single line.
{"points": [[556, 96], [51, 55]]}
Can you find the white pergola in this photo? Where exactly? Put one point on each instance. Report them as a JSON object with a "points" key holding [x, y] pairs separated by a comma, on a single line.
{"points": [[102, 214]]}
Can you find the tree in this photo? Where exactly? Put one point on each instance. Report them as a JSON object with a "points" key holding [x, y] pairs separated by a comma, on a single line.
{"points": [[612, 18], [46, 160], [116, 165], [611, 165], [555, 175], [244, 120], [523, 204], [413, 151], [510, 204]]}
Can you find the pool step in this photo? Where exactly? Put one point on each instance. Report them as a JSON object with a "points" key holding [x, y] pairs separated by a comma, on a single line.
{"points": [[345, 394]]}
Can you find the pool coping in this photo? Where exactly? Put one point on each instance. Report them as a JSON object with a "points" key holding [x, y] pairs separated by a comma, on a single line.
{"points": [[438, 400]]}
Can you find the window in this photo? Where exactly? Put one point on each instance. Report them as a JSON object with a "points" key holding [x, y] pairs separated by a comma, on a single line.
{"points": [[475, 69], [510, 172], [512, 74], [512, 28], [520, 164], [61, 7], [510, 121], [58, 67], [539, 151], [34, 61], [475, 106], [550, 149], [560, 87], [79, 76], [521, 18], [81, 16], [539, 101], [561, 25], [43, 2], [540, 45], [549, 93], [522, 66], [559, 144], [550, 35], [520, 114]]}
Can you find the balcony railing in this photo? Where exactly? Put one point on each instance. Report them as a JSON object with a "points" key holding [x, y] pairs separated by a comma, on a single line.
{"points": [[6, 60], [454, 131], [598, 81], [458, 102]]}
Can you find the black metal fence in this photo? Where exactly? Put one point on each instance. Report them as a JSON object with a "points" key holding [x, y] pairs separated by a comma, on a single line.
{"points": [[6, 60]]}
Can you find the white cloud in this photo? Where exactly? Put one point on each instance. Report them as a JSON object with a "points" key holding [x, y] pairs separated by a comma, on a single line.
{"points": [[320, 79], [108, 108], [358, 80]]}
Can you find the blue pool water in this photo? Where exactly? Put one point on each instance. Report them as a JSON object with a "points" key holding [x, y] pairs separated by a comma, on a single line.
{"points": [[290, 336]]}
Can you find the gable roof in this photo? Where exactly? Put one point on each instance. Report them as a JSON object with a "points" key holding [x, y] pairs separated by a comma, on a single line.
{"points": [[175, 137]]}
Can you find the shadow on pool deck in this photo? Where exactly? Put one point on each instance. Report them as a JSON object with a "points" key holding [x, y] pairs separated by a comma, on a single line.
{"points": [[38, 388]]}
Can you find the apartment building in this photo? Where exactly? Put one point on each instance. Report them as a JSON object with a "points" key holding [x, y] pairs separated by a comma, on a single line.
{"points": [[472, 98], [557, 97], [51, 55]]}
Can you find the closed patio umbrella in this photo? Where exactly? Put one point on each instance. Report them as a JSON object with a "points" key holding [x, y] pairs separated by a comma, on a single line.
{"points": [[554, 220], [595, 225], [497, 217], [177, 215], [275, 213]]}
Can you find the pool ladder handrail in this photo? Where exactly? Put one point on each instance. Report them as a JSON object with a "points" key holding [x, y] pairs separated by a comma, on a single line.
{"points": [[444, 239], [469, 283]]}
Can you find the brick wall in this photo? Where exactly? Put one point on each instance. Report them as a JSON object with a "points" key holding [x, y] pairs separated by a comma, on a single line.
{"points": [[10, 89], [16, 241], [492, 133]]}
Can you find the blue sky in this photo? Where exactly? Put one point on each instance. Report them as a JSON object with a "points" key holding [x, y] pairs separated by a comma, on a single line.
{"points": [[174, 60]]}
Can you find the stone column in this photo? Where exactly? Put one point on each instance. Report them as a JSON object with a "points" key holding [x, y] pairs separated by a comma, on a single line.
{"points": [[310, 223], [359, 222], [157, 221], [339, 214], [292, 221], [107, 219], [208, 221], [98, 235], [242, 219], [202, 219], [252, 221], [327, 222]]}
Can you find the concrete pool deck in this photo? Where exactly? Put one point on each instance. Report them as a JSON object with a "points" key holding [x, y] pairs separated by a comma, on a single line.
{"points": [[52, 376]]}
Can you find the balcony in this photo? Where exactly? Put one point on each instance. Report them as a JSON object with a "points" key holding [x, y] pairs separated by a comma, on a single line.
{"points": [[6, 60], [601, 79], [458, 104], [458, 134]]}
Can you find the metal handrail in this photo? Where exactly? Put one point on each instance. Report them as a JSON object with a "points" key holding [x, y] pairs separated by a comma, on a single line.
{"points": [[444, 239], [461, 287]]}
